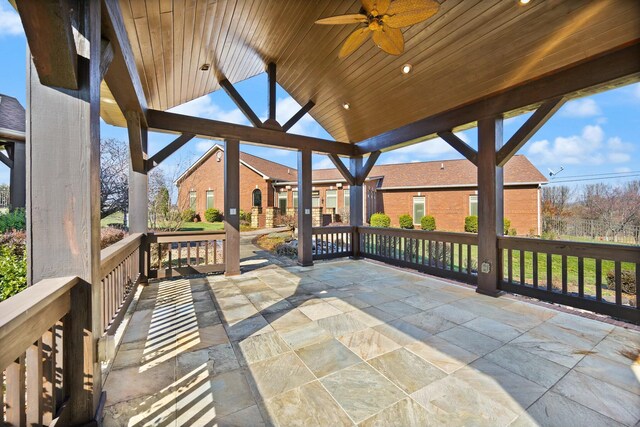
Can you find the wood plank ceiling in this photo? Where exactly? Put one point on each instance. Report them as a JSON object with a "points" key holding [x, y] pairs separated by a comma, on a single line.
{"points": [[468, 50]]}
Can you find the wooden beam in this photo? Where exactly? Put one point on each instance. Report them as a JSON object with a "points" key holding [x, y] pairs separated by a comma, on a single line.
{"points": [[601, 70], [6, 160], [136, 149], [271, 72], [106, 57], [460, 146], [18, 176], [344, 171], [171, 148], [232, 206], [240, 102], [305, 186], [297, 116], [139, 189], [162, 120], [528, 129], [363, 173], [122, 76], [356, 202], [47, 26]]}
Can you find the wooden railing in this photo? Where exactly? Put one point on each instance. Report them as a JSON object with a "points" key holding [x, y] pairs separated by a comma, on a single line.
{"points": [[444, 254], [183, 253], [590, 276], [121, 269], [332, 242], [42, 334]]}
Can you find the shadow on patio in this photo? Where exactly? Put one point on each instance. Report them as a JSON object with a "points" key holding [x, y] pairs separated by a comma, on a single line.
{"points": [[355, 342]]}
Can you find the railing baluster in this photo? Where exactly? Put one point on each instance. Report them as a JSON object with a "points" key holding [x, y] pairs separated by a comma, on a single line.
{"points": [[49, 374], [188, 254], [581, 276], [549, 272], [522, 276], [618, 278], [34, 384], [564, 274], [510, 265], [469, 260], [534, 257], [15, 400], [637, 286]]}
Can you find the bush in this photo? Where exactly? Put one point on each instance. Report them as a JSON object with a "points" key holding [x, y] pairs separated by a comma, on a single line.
{"points": [[15, 240], [13, 221], [109, 236], [380, 220], [13, 272], [188, 215], [214, 215], [406, 221], [245, 216], [428, 222], [627, 279], [471, 224]]}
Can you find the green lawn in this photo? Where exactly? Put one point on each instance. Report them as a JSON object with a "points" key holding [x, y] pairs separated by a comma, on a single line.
{"points": [[114, 218]]}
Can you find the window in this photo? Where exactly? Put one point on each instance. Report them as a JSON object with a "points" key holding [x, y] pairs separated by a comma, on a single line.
{"points": [[332, 199], [210, 199], [347, 199], [192, 200], [315, 199], [282, 202], [295, 199], [473, 205], [418, 209], [256, 198]]}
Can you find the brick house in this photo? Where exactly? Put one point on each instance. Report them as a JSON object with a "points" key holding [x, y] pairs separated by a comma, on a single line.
{"points": [[445, 189]]}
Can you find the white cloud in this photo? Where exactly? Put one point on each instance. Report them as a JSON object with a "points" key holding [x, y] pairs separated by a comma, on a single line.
{"points": [[10, 24], [205, 107], [324, 163], [623, 169], [585, 107], [433, 149], [587, 148], [286, 108], [204, 145], [637, 90]]}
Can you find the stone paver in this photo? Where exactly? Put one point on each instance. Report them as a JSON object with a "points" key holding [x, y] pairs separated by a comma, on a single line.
{"points": [[348, 343]]}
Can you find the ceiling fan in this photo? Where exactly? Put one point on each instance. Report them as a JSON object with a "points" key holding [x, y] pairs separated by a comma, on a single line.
{"points": [[383, 19]]}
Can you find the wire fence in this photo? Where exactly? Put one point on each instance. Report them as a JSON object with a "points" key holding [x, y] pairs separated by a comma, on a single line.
{"points": [[591, 229], [4, 198]]}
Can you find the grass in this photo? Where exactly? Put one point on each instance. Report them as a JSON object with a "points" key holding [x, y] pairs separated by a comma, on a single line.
{"points": [[114, 218], [118, 218]]}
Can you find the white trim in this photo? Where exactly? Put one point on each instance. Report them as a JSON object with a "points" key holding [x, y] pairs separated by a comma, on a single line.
{"points": [[12, 134], [324, 181], [416, 221], [416, 187]]}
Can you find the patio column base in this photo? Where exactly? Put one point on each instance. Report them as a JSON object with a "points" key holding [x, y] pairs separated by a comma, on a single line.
{"points": [[232, 273], [305, 264], [355, 257], [491, 292]]}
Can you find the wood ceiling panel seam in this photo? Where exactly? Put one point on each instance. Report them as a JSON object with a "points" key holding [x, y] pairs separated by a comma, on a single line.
{"points": [[206, 51], [515, 45], [201, 50], [144, 37], [155, 31], [130, 25], [211, 77], [224, 34], [189, 19], [236, 29], [198, 30], [178, 43], [166, 20]]}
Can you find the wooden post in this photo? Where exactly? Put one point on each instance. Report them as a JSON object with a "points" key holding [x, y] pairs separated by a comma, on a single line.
{"points": [[63, 206], [18, 180], [305, 256], [490, 205], [356, 202], [138, 190], [232, 206]]}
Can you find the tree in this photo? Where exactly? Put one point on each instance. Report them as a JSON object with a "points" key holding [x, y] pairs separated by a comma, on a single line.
{"points": [[556, 200], [616, 206], [114, 177]]}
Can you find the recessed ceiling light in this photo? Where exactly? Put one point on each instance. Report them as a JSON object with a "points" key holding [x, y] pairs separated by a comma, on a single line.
{"points": [[524, 1], [346, 106], [205, 67], [406, 68]]}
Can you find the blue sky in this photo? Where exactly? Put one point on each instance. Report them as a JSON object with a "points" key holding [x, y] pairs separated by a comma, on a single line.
{"points": [[596, 138]]}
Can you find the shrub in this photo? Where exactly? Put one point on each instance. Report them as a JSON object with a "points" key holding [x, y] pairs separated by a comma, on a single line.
{"points": [[214, 215], [13, 272], [13, 221], [380, 220], [627, 279], [188, 215], [109, 236], [406, 221], [471, 224], [15, 240], [428, 222], [245, 216]]}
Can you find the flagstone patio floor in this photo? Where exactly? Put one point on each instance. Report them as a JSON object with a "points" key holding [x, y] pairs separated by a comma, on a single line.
{"points": [[347, 343]]}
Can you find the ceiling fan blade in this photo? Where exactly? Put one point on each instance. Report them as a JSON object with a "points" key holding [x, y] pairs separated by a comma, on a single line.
{"points": [[355, 18], [354, 41], [402, 13], [390, 40], [381, 6]]}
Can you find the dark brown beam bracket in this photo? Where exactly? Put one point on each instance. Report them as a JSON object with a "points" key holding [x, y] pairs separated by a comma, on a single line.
{"points": [[171, 148], [106, 56], [136, 142], [344, 171], [6, 160], [271, 72], [47, 25], [528, 129], [460, 146], [240, 102], [363, 173], [172, 122], [297, 116]]}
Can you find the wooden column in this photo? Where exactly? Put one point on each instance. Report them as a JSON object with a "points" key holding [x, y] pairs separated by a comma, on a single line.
{"points": [[490, 205], [138, 191], [305, 256], [232, 206], [356, 202], [63, 206], [18, 179]]}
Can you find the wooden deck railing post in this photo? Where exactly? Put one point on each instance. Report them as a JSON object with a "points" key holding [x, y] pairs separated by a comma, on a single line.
{"points": [[490, 205], [18, 178], [356, 202], [63, 197], [138, 184], [232, 206], [305, 256]]}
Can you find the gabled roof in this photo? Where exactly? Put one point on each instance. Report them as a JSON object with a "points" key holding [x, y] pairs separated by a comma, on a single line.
{"points": [[12, 118]]}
